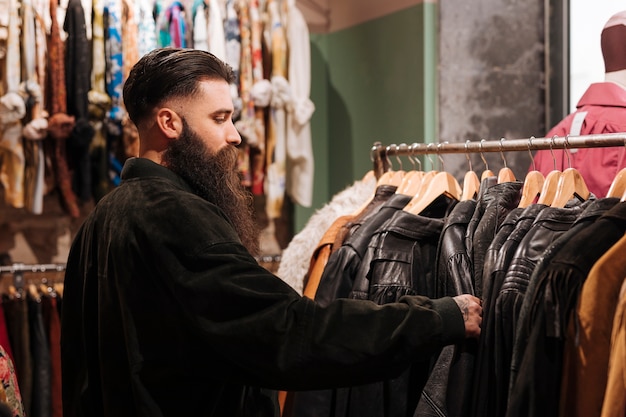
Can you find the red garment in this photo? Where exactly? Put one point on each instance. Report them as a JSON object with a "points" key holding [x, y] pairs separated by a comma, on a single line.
{"points": [[605, 104], [5, 342]]}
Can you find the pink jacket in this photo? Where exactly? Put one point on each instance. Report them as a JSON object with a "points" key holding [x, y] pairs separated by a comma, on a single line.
{"points": [[605, 104]]}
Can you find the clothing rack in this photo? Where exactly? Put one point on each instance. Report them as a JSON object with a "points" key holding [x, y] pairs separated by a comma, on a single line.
{"points": [[380, 154], [18, 270]]}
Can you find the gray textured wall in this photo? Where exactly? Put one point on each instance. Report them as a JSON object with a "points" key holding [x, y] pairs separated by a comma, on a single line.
{"points": [[491, 69]]}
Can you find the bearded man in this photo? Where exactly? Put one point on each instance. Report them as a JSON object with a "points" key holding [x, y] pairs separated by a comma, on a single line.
{"points": [[165, 310]]}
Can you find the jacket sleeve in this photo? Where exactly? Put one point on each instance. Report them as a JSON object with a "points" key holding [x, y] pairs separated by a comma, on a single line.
{"points": [[261, 332]]}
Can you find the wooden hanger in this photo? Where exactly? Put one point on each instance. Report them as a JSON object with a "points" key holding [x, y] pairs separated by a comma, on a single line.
{"points": [[505, 174], [471, 186], [471, 183], [443, 183], [33, 291], [393, 178], [618, 186], [58, 289], [550, 185], [533, 183], [412, 179], [551, 181], [487, 172], [571, 185], [390, 178], [411, 183]]}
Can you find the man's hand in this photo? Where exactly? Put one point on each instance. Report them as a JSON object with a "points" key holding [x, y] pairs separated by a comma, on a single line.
{"points": [[472, 312]]}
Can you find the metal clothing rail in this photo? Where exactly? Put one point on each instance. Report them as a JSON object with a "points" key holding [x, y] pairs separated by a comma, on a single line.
{"points": [[18, 270], [380, 154]]}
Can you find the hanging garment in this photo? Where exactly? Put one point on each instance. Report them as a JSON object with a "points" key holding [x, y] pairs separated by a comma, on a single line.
{"points": [[130, 35], [341, 270], [41, 394], [604, 105], [399, 261], [12, 110], [537, 365], [261, 92], [549, 225], [497, 260], [383, 194], [31, 89], [59, 121], [11, 395], [615, 396], [98, 62], [454, 268], [146, 27], [232, 39], [78, 83], [447, 390], [296, 257], [114, 57], [276, 148], [300, 164], [16, 313], [491, 209], [199, 14], [321, 255], [52, 324], [5, 9], [77, 60], [588, 340], [217, 41], [322, 262]]}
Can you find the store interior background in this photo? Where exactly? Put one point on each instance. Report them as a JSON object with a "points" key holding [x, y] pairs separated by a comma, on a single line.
{"points": [[409, 71]]}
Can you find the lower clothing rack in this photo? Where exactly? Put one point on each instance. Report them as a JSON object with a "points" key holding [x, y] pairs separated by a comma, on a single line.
{"points": [[18, 270]]}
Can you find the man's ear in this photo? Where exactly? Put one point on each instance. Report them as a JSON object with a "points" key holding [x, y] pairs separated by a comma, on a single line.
{"points": [[169, 122]]}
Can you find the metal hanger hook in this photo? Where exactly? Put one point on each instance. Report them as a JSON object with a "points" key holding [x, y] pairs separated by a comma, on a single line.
{"points": [[469, 160], [480, 147], [532, 158], [439, 145], [428, 155], [389, 164], [502, 153], [414, 147], [567, 153], [552, 151]]}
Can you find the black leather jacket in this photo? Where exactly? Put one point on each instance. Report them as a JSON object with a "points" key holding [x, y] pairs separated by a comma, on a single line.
{"points": [[551, 296], [492, 208], [497, 260]]}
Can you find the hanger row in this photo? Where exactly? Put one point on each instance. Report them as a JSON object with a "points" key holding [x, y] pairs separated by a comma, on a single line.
{"points": [[380, 153], [21, 267]]}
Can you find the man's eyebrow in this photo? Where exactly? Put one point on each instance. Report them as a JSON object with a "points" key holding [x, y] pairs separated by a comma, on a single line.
{"points": [[222, 111]]}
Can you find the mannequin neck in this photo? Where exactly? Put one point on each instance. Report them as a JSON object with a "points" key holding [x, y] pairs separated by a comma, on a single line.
{"points": [[616, 77]]}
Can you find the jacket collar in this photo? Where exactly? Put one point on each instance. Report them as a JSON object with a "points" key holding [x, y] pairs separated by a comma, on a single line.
{"points": [[144, 168]]}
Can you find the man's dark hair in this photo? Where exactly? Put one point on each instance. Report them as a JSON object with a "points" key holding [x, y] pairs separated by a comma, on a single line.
{"points": [[169, 72]]}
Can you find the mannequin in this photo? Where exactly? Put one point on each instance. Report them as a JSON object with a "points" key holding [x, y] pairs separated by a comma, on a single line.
{"points": [[601, 109]]}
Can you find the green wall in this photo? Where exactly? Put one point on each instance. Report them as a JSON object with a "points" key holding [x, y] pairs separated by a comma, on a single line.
{"points": [[372, 82]]}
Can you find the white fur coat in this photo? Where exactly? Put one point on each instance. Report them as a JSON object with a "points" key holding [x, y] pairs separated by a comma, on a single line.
{"points": [[296, 257]]}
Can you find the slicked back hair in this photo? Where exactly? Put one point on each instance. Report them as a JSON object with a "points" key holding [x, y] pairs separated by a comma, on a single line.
{"points": [[167, 73]]}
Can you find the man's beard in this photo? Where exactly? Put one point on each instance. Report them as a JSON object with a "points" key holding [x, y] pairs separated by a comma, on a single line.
{"points": [[214, 177]]}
